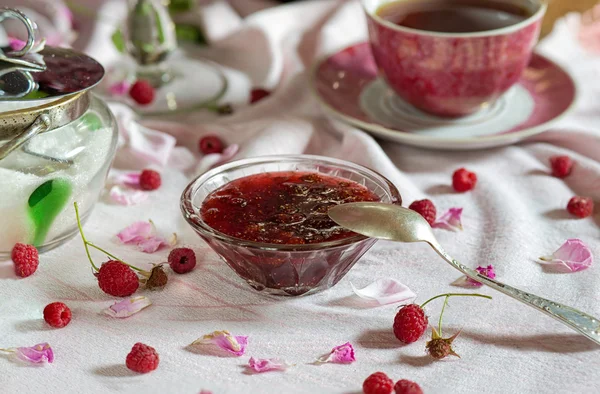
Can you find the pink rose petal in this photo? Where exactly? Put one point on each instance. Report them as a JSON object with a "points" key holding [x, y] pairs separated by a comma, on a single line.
{"points": [[131, 179], [128, 307], [235, 345], [259, 365], [119, 88], [572, 256], [450, 220], [37, 354], [126, 196], [343, 354], [143, 235], [465, 281], [385, 291], [136, 232]]}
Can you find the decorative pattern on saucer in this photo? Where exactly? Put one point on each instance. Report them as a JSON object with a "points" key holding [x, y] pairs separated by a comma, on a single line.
{"points": [[348, 86]]}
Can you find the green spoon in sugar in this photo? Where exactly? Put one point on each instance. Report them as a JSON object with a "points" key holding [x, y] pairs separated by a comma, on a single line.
{"points": [[44, 205]]}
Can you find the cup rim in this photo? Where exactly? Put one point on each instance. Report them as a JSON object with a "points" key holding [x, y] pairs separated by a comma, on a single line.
{"points": [[487, 33], [190, 213]]}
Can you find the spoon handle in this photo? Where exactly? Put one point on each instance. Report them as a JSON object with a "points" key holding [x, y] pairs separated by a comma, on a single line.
{"points": [[587, 325]]}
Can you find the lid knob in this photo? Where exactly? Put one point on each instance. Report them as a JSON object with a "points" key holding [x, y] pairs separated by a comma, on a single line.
{"points": [[150, 32]]}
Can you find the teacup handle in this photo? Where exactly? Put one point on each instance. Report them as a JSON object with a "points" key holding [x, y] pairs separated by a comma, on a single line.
{"points": [[10, 13]]}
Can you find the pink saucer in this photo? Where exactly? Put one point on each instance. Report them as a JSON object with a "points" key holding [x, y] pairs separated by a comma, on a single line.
{"points": [[348, 86]]}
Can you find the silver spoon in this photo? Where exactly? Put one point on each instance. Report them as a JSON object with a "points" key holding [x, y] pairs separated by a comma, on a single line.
{"points": [[394, 223]]}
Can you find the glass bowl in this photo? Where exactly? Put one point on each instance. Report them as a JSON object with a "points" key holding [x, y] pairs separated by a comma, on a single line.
{"points": [[284, 269], [43, 177]]}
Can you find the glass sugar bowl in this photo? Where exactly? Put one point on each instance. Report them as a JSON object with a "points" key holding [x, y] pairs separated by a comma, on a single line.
{"points": [[57, 141]]}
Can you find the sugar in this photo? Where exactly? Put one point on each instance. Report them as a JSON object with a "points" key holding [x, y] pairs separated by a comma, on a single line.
{"points": [[21, 173]]}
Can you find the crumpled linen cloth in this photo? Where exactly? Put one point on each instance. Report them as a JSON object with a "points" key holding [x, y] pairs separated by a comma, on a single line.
{"points": [[515, 214]]}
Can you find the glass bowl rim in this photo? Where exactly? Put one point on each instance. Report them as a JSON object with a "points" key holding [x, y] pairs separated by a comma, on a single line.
{"points": [[193, 219]]}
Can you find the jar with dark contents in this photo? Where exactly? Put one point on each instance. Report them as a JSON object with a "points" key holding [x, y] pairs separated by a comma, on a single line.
{"points": [[57, 141]]}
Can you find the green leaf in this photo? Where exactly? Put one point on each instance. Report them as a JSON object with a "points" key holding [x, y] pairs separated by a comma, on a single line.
{"points": [[180, 5], [118, 40], [92, 121], [189, 33]]}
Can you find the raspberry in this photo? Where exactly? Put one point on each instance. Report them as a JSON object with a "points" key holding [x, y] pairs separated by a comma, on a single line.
{"points": [[407, 387], [581, 207], [182, 260], [258, 94], [150, 180], [142, 358], [426, 209], [561, 166], [463, 180], [378, 383], [211, 144], [410, 323], [225, 109], [117, 279], [57, 314], [25, 258], [158, 278], [439, 347], [142, 92]]}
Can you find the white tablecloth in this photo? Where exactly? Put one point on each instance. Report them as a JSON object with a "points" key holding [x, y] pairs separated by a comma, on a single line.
{"points": [[515, 214]]}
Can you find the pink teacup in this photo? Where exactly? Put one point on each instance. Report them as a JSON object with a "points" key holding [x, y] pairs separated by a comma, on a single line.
{"points": [[452, 74]]}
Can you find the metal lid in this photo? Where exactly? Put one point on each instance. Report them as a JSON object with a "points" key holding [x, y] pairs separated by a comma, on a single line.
{"points": [[66, 72], [37, 72], [41, 88]]}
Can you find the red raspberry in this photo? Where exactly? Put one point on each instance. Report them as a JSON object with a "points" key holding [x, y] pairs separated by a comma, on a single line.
{"points": [[142, 92], [581, 207], [142, 358], [57, 314], [378, 383], [258, 94], [561, 166], [410, 323], [117, 279], [211, 144], [150, 180], [463, 180], [426, 209], [182, 260], [407, 387], [26, 259]]}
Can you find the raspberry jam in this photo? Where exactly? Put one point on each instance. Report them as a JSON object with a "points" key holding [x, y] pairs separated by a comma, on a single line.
{"points": [[282, 207]]}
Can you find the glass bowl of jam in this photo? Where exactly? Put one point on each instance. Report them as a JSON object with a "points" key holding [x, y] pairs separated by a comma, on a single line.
{"points": [[267, 218]]}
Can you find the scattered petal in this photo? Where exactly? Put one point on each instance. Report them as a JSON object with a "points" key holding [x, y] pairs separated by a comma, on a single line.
{"points": [[450, 220], [205, 392], [131, 179], [233, 344], [385, 291], [119, 88], [259, 365], [37, 354], [128, 307], [572, 256], [126, 196], [16, 45], [343, 354], [143, 234], [465, 281]]}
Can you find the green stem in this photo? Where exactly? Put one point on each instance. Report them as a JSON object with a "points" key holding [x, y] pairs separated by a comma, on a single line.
{"points": [[455, 295], [441, 313], [87, 244]]}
